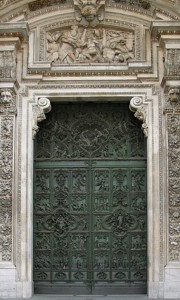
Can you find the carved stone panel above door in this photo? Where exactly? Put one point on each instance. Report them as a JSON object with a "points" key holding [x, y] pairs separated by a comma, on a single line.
{"points": [[79, 45]]}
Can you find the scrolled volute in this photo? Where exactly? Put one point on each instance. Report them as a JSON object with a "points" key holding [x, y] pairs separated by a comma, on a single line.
{"points": [[137, 106], [42, 107]]}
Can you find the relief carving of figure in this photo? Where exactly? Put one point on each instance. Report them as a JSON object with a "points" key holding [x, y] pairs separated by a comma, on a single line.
{"points": [[79, 45], [89, 12]]}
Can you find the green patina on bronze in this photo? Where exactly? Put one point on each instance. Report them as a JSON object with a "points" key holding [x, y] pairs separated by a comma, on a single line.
{"points": [[90, 201]]}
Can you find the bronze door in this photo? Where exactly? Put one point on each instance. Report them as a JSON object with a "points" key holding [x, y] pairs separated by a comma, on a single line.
{"points": [[90, 201]]}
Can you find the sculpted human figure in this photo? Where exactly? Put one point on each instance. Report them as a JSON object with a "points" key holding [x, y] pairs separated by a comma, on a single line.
{"points": [[69, 43], [79, 45], [53, 46]]}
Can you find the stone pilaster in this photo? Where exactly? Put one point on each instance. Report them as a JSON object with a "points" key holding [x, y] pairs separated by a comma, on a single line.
{"points": [[168, 36], [11, 38]]}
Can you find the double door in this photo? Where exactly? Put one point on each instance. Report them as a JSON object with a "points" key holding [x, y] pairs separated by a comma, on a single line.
{"points": [[90, 202]]}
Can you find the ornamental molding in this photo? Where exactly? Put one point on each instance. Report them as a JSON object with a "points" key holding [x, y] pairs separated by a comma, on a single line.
{"points": [[140, 112], [42, 107], [167, 28], [33, 9], [14, 29]]}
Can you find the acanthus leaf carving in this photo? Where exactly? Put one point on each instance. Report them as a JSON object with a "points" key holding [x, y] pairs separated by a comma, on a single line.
{"points": [[42, 107], [89, 12], [140, 112]]}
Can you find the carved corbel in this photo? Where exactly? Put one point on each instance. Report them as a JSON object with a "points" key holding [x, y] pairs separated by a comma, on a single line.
{"points": [[42, 107], [136, 105]]}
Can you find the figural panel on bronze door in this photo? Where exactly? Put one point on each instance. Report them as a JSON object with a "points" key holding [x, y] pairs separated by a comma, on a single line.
{"points": [[90, 201]]}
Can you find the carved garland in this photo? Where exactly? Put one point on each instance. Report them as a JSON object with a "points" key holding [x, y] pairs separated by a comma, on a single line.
{"points": [[137, 106]]}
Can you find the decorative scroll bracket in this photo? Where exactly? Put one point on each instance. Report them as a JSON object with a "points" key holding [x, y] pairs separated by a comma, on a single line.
{"points": [[42, 107], [136, 105]]}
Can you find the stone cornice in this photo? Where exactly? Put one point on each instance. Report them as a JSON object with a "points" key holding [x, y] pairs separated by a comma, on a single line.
{"points": [[159, 28], [11, 30]]}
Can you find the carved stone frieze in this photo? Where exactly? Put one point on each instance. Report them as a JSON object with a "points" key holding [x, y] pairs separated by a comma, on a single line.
{"points": [[139, 3], [7, 65], [89, 12], [38, 4], [79, 45], [42, 107], [137, 106], [173, 123], [7, 110]]}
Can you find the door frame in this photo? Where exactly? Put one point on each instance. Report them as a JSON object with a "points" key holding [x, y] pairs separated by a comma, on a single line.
{"points": [[32, 110]]}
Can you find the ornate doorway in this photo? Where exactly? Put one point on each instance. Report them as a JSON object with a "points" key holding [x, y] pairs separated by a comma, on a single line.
{"points": [[90, 201]]}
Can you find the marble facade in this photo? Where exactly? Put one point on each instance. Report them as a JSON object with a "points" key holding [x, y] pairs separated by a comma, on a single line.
{"points": [[119, 50]]}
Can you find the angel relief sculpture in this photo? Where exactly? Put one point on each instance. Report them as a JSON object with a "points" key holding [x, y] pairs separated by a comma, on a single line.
{"points": [[89, 12], [79, 45]]}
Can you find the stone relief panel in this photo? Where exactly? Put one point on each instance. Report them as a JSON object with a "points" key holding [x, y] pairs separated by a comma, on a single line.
{"points": [[80, 45], [172, 62], [7, 64], [7, 111], [173, 125]]}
